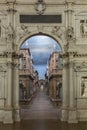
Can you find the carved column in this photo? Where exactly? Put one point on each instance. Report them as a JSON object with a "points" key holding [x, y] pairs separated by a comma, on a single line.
{"points": [[72, 110], [65, 90], [16, 108], [69, 13], [10, 29], [8, 105]]}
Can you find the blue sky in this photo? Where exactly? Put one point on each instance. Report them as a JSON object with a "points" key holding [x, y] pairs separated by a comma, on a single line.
{"points": [[41, 47]]}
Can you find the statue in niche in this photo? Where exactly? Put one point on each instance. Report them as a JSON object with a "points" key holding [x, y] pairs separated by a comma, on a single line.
{"points": [[84, 88], [84, 29]]}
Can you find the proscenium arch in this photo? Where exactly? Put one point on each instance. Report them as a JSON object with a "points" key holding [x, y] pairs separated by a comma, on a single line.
{"points": [[57, 39]]}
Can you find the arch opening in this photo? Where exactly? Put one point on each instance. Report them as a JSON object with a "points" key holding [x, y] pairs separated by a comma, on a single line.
{"points": [[40, 68]]}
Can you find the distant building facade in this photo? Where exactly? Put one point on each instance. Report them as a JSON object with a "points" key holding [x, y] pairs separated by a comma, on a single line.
{"points": [[55, 77], [27, 76]]}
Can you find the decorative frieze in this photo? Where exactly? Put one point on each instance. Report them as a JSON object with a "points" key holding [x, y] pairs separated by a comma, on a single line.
{"points": [[80, 66]]}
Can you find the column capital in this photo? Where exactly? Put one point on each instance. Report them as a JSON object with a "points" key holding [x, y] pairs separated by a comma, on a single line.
{"points": [[9, 64]]}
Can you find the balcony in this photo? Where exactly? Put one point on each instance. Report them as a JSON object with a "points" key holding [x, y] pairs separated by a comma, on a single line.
{"points": [[55, 72], [24, 72]]}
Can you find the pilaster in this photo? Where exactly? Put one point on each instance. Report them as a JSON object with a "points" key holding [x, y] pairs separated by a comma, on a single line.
{"points": [[65, 89], [8, 105], [16, 108], [72, 113]]}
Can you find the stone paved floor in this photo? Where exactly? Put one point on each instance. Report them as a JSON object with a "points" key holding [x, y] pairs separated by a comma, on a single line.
{"points": [[41, 115]]}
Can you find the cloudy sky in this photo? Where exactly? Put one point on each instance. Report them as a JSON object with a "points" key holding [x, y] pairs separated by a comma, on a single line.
{"points": [[41, 47]]}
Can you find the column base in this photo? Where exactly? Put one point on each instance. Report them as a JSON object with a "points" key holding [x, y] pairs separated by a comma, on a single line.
{"points": [[64, 115], [1, 115], [72, 116], [16, 115], [69, 116], [7, 118]]}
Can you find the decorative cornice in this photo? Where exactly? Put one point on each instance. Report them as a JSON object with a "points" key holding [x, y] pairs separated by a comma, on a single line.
{"points": [[74, 54], [70, 53], [79, 55]]}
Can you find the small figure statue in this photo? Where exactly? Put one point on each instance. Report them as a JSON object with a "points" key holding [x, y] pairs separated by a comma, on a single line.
{"points": [[84, 89], [70, 33]]}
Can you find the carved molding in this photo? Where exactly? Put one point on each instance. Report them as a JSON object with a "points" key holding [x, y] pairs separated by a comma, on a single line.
{"points": [[80, 66], [30, 29]]}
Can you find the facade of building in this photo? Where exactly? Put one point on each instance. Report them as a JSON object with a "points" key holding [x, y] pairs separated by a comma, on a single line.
{"points": [[63, 20], [26, 75], [41, 84], [55, 77]]}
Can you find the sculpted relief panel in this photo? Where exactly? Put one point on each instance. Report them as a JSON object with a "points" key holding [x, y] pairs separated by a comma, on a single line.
{"points": [[81, 28], [83, 25], [84, 86]]}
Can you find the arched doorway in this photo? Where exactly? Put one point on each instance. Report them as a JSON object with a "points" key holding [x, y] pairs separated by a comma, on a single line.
{"points": [[44, 53]]}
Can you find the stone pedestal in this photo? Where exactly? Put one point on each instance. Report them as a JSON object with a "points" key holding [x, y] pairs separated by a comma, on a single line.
{"points": [[72, 116], [8, 116], [8, 110], [16, 114], [64, 114]]}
